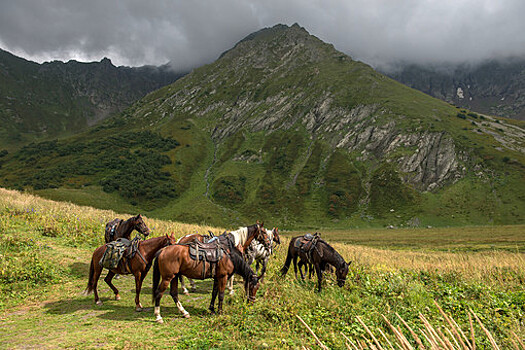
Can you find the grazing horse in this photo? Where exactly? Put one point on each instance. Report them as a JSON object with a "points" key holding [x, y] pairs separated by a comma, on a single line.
{"points": [[119, 228], [139, 266], [243, 238], [261, 253], [320, 255], [175, 261]]}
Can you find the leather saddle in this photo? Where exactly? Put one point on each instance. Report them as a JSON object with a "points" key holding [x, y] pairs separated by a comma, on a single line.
{"points": [[307, 243], [210, 252]]}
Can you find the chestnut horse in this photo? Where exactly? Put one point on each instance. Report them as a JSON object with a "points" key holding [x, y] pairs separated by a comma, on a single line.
{"points": [[124, 228], [242, 239], [139, 266], [175, 261]]}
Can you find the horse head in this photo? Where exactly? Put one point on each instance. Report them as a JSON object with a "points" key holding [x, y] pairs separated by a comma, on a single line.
{"points": [[251, 285], [341, 273], [140, 225], [262, 236], [171, 239], [276, 237]]}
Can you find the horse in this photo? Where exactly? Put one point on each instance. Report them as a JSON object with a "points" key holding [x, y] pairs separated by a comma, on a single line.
{"points": [[260, 253], [139, 266], [320, 255], [175, 261], [187, 239], [119, 228], [242, 238]]}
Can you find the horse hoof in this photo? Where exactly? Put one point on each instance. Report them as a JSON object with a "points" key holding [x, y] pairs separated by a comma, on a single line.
{"points": [[159, 320], [232, 292], [186, 315], [98, 302], [186, 292], [117, 297], [138, 309]]}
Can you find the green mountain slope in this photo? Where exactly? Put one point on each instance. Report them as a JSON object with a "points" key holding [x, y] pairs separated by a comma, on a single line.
{"points": [[284, 127], [47, 100]]}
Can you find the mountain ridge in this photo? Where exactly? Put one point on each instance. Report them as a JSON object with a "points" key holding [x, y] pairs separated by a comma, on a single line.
{"points": [[59, 98], [285, 126]]}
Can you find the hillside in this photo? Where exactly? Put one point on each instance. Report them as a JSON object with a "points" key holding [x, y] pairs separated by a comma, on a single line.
{"points": [[285, 127], [55, 98], [492, 87], [46, 247]]}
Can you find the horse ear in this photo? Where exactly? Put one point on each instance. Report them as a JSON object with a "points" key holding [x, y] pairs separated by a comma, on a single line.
{"points": [[257, 222], [262, 224]]}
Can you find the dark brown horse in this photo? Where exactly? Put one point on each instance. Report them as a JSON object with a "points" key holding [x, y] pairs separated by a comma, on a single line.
{"points": [[139, 266], [119, 228], [175, 261], [320, 256]]}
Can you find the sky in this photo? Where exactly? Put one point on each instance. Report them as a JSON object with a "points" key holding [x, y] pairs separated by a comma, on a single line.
{"points": [[189, 33]]}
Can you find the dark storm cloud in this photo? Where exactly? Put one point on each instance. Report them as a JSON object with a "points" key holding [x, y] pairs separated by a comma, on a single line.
{"points": [[190, 33]]}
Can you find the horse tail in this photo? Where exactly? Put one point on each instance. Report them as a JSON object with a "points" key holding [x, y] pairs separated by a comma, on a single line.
{"points": [[288, 260], [156, 278], [91, 278]]}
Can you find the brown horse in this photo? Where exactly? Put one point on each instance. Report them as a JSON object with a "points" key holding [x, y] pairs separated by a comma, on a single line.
{"points": [[119, 228], [175, 261], [242, 239], [321, 255], [139, 266]]}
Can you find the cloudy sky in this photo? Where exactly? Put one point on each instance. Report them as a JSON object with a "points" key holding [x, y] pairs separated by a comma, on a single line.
{"points": [[193, 32]]}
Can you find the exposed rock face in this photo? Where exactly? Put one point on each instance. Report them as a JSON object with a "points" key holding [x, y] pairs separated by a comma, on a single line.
{"points": [[285, 126], [495, 87]]}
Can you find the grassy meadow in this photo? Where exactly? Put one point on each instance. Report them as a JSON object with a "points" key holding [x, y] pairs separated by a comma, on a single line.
{"points": [[397, 280]]}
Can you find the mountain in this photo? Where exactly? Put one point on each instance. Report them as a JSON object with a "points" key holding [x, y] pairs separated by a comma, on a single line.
{"points": [[493, 87], [55, 98], [285, 128]]}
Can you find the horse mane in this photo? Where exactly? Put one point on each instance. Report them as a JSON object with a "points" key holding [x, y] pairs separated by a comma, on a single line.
{"points": [[338, 257], [241, 267], [237, 234]]}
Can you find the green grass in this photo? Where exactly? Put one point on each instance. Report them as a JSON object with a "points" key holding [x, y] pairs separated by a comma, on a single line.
{"points": [[46, 309], [468, 238]]}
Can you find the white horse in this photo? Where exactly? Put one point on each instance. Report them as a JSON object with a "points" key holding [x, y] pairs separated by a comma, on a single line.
{"points": [[260, 253]]}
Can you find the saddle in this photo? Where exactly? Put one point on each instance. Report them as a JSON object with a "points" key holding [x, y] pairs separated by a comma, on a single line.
{"points": [[120, 250], [211, 252], [110, 229], [308, 243]]}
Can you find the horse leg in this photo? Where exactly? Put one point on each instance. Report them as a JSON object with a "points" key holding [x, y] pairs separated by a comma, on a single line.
{"points": [[214, 295], [221, 287], [295, 266], [230, 285], [183, 286], [174, 292], [300, 265], [138, 286], [96, 275], [158, 295], [319, 276], [263, 268], [192, 282], [108, 279]]}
